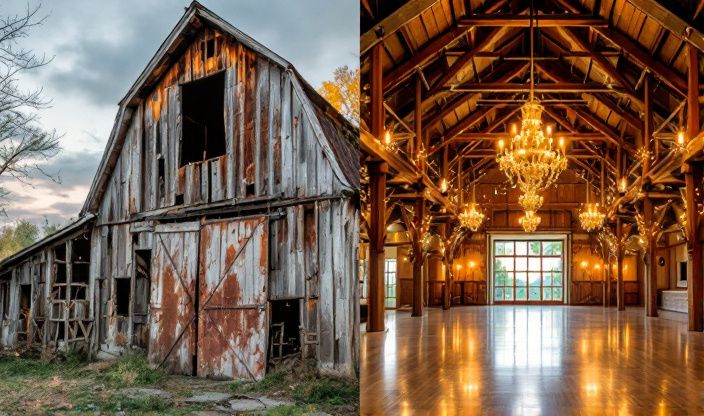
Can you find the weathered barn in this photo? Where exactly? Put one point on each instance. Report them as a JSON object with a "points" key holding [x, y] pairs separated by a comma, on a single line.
{"points": [[220, 232]]}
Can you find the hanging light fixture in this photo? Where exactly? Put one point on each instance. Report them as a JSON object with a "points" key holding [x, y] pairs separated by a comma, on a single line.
{"points": [[529, 221], [591, 218], [531, 160], [471, 217], [530, 201]]}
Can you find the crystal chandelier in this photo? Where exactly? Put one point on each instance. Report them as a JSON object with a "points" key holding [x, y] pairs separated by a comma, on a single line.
{"points": [[530, 201], [471, 217], [591, 218], [531, 160], [529, 221]]}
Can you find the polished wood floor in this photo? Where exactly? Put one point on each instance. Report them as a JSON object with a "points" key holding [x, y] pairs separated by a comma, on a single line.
{"points": [[532, 360]]}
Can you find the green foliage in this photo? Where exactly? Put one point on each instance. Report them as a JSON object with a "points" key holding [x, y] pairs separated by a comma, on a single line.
{"points": [[15, 238], [49, 229], [132, 370], [292, 410], [327, 391], [11, 367], [271, 381]]}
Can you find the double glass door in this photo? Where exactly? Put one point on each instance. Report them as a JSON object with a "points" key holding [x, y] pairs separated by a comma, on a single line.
{"points": [[528, 271]]}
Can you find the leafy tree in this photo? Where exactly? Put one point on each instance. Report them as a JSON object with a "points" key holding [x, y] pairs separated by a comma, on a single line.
{"points": [[15, 238], [24, 144], [49, 229], [342, 92]]}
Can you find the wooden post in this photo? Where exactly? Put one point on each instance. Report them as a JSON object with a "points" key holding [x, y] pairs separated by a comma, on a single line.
{"points": [[377, 236], [607, 283], [419, 213], [377, 192], [443, 230], [620, 301], [651, 279], [650, 274], [693, 174]]}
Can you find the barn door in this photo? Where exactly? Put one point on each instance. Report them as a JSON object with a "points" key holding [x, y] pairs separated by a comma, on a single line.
{"points": [[232, 317], [172, 302]]}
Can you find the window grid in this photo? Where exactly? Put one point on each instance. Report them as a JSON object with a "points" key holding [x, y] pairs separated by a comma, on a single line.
{"points": [[528, 271], [390, 282]]}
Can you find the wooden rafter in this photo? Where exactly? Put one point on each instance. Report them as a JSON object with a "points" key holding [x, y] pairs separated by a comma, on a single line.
{"points": [[390, 24], [522, 20]]}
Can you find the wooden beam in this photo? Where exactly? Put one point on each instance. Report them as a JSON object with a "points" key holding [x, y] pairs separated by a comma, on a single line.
{"points": [[693, 177], [641, 55], [670, 21], [408, 11], [644, 58], [464, 59], [558, 73], [462, 125], [647, 124], [540, 88], [421, 57], [459, 99], [521, 20], [601, 61], [479, 136]]}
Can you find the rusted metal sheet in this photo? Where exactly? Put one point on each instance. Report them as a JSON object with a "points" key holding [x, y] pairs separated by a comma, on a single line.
{"points": [[232, 320], [172, 305]]}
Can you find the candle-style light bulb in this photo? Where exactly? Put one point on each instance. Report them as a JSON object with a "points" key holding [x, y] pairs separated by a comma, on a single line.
{"points": [[501, 144], [680, 137], [387, 137]]}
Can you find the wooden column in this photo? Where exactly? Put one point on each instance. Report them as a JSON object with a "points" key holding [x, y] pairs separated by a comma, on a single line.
{"points": [[651, 279], [695, 285], [444, 230], [418, 214], [377, 193], [620, 301], [607, 283], [650, 275], [377, 237]]}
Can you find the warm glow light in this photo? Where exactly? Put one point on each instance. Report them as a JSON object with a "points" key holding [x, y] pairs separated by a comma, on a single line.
{"points": [[501, 144], [443, 185], [387, 137], [472, 264], [680, 137], [584, 264], [623, 185], [561, 141], [548, 129], [458, 266], [597, 266]]}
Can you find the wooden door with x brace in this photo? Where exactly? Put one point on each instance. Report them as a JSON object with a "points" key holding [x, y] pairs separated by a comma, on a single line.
{"points": [[211, 318]]}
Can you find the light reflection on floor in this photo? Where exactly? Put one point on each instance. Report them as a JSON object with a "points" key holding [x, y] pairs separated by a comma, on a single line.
{"points": [[531, 360]]}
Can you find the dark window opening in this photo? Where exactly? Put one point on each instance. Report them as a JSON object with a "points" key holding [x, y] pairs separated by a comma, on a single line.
{"points": [[285, 329], [5, 296], [683, 271], [122, 296], [60, 276], [142, 281], [80, 249], [60, 252], [250, 189], [202, 105], [161, 185], [179, 199]]}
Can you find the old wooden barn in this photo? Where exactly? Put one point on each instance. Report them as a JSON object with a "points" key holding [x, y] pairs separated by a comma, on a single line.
{"points": [[220, 232]]}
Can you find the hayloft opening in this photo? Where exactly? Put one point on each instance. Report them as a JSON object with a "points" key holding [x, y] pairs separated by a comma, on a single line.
{"points": [[202, 106]]}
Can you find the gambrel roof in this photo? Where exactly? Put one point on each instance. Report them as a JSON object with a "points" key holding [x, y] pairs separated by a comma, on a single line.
{"points": [[337, 137]]}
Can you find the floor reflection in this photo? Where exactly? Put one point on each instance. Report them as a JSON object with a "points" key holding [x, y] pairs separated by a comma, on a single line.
{"points": [[531, 360]]}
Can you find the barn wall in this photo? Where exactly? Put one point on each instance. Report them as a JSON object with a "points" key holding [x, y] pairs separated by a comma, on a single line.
{"points": [[275, 146]]}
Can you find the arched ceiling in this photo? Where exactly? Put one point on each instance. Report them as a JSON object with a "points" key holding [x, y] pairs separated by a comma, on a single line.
{"points": [[593, 60]]}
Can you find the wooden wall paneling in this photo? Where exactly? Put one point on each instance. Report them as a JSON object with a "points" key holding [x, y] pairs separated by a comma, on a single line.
{"points": [[327, 290], [287, 149], [275, 130], [262, 150]]}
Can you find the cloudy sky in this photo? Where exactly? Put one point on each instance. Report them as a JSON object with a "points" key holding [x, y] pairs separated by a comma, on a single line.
{"points": [[100, 47]]}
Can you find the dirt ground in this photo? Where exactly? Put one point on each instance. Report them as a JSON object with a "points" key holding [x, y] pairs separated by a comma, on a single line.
{"points": [[68, 385]]}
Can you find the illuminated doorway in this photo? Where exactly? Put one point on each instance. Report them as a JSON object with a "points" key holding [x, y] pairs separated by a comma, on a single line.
{"points": [[528, 270]]}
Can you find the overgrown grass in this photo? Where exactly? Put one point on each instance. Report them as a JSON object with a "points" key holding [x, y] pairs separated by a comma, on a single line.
{"points": [[327, 391], [132, 370]]}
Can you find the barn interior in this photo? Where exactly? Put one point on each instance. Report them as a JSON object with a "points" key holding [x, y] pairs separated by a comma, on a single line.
{"points": [[531, 206]]}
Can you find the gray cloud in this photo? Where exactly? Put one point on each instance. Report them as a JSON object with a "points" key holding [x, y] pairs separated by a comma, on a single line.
{"points": [[101, 47]]}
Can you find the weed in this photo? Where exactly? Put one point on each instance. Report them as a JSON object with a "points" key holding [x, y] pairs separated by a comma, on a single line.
{"points": [[132, 369], [327, 391]]}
